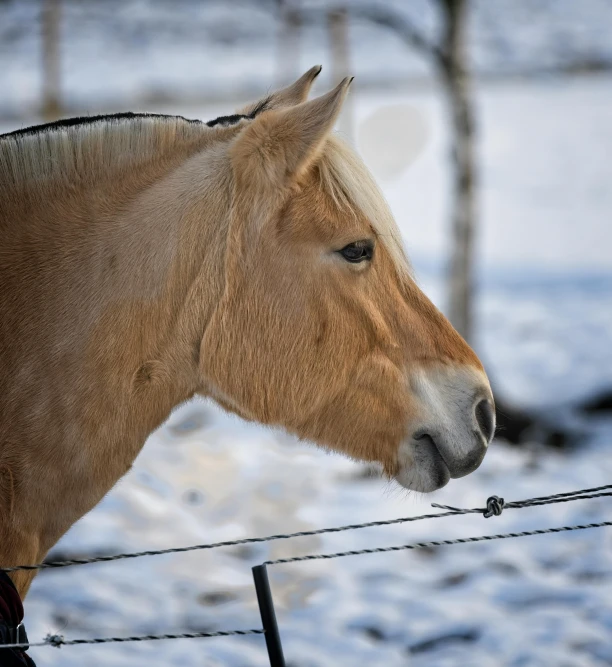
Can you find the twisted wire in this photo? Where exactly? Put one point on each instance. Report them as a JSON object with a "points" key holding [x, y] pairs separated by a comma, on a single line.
{"points": [[496, 504], [59, 641], [582, 494], [494, 507], [440, 543]]}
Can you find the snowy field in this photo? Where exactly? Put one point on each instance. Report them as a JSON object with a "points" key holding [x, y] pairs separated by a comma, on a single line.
{"points": [[545, 323]]}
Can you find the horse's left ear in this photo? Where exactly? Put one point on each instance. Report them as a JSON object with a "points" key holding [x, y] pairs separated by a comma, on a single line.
{"points": [[279, 145], [294, 94]]}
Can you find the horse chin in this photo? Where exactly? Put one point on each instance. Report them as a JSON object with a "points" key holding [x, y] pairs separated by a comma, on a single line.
{"points": [[421, 467]]}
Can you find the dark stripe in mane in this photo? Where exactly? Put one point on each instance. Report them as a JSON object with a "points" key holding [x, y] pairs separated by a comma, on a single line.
{"points": [[88, 120], [234, 118]]}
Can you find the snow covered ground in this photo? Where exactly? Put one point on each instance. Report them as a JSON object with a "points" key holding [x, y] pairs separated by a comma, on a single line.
{"points": [[545, 329], [535, 601]]}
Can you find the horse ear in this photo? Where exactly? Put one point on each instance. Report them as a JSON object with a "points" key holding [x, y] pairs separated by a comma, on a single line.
{"points": [[294, 94], [280, 145]]}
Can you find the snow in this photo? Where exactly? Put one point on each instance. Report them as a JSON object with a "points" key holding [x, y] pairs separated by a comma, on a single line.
{"points": [[226, 480]]}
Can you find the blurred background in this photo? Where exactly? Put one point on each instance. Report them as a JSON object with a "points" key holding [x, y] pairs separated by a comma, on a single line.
{"points": [[488, 124]]}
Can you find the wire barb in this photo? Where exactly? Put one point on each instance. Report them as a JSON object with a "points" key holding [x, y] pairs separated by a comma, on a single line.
{"points": [[55, 640], [495, 506]]}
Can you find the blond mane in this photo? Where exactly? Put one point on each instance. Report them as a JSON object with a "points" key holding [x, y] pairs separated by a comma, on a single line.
{"points": [[91, 149]]}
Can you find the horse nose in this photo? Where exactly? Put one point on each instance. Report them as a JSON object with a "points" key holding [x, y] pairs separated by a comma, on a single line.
{"points": [[485, 418], [476, 439]]}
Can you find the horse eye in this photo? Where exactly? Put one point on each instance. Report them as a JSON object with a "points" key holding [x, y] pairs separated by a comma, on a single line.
{"points": [[359, 251]]}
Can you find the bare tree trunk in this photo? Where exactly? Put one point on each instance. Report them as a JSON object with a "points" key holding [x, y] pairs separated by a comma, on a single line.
{"points": [[288, 44], [457, 88], [338, 30], [513, 423], [50, 23]]}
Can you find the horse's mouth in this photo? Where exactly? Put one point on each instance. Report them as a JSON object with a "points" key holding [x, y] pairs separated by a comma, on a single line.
{"points": [[422, 466]]}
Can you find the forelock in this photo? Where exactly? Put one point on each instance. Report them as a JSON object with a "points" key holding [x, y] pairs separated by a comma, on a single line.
{"points": [[350, 184]]}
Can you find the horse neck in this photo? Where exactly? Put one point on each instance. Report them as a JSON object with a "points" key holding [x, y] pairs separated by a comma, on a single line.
{"points": [[152, 240], [102, 330], [169, 245], [165, 253]]}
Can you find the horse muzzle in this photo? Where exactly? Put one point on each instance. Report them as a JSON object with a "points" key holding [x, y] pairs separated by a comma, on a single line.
{"points": [[455, 424]]}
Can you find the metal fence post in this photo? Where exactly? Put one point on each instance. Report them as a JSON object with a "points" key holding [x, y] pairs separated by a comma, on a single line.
{"points": [[268, 617]]}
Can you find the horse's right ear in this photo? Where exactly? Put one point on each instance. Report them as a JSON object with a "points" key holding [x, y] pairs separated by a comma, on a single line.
{"points": [[296, 93], [279, 145]]}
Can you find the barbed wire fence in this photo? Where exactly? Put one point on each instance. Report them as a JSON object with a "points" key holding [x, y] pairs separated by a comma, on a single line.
{"points": [[494, 507]]}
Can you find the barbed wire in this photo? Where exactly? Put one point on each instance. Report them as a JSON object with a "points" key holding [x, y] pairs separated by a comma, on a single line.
{"points": [[494, 507], [59, 641], [440, 543]]}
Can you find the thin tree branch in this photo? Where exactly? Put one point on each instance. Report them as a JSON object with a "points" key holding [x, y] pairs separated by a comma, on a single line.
{"points": [[385, 17]]}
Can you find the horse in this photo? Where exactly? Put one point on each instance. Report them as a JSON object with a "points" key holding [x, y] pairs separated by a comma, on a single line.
{"points": [[252, 259]]}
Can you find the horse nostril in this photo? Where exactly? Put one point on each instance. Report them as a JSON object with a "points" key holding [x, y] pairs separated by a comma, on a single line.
{"points": [[485, 416]]}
